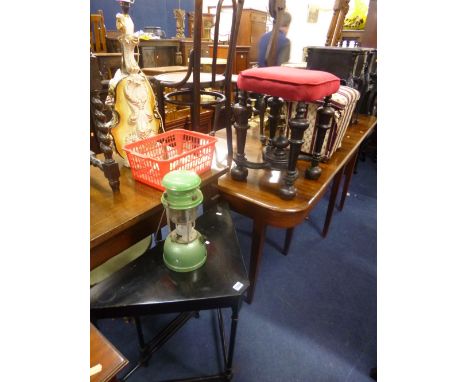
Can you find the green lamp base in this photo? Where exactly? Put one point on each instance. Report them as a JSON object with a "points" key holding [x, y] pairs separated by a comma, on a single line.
{"points": [[181, 257]]}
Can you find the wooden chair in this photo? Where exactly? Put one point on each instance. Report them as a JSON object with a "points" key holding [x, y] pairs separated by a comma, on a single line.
{"points": [[108, 62], [340, 9], [100, 136], [193, 81], [98, 33]]}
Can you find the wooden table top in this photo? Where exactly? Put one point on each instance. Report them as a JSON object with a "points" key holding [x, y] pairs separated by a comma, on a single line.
{"points": [[260, 191], [107, 54], [205, 78], [160, 42], [104, 353], [164, 69], [209, 61], [112, 214]]}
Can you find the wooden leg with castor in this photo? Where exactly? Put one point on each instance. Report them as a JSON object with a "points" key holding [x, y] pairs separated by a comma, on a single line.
{"points": [[331, 201], [349, 169], [287, 240]]}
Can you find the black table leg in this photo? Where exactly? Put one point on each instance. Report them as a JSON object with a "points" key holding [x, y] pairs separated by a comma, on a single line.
{"points": [[159, 340], [141, 342], [232, 337]]}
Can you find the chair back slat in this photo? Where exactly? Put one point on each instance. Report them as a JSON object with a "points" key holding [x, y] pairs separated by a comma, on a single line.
{"points": [[98, 33]]}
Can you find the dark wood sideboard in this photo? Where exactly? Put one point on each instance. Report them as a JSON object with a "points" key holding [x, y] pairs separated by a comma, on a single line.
{"points": [[186, 46], [161, 52], [241, 58]]}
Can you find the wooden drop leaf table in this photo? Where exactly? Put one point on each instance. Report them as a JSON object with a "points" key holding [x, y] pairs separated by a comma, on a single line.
{"points": [[258, 197]]}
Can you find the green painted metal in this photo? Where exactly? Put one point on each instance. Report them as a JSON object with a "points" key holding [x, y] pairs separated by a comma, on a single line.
{"points": [[181, 257], [182, 190], [183, 193]]}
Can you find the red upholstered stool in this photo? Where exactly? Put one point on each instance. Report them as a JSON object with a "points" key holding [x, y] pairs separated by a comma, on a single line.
{"points": [[290, 84]]}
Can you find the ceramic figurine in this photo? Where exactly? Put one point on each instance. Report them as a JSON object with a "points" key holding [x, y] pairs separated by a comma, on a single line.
{"points": [[135, 114]]}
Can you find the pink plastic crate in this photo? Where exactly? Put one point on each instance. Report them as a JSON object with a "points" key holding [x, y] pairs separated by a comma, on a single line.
{"points": [[152, 158]]}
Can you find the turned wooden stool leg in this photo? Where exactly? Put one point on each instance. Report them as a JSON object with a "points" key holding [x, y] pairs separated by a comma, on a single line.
{"points": [[298, 126], [274, 117], [261, 107], [241, 118], [322, 125], [275, 152]]}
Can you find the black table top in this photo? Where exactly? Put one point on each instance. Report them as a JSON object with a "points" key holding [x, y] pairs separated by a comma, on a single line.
{"points": [[147, 286]]}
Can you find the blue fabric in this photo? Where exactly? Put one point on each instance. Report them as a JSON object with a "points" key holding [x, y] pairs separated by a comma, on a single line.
{"points": [[263, 45]]}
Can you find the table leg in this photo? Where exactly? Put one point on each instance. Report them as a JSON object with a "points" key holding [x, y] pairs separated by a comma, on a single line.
{"points": [[232, 338], [141, 342], [210, 196], [348, 175], [287, 240], [159, 340], [160, 101], [256, 252], [331, 202]]}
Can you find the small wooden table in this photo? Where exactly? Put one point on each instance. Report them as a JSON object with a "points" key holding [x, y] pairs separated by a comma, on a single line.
{"points": [[258, 197], [103, 353], [108, 63], [119, 220]]}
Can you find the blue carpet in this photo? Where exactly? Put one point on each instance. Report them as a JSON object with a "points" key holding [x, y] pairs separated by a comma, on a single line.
{"points": [[314, 315]]}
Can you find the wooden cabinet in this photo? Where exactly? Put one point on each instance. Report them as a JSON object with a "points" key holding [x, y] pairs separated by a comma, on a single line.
{"points": [[241, 58], [154, 53], [207, 23], [252, 27], [187, 45]]}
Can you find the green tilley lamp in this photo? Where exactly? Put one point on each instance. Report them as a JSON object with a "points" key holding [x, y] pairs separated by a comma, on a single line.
{"points": [[184, 247]]}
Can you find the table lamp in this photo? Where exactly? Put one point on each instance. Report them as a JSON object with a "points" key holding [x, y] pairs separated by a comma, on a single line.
{"points": [[184, 247], [125, 5]]}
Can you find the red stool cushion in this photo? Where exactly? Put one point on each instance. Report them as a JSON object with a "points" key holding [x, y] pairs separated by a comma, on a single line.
{"points": [[292, 84]]}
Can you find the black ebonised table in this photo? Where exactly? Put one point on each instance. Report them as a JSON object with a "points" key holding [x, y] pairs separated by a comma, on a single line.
{"points": [[147, 286]]}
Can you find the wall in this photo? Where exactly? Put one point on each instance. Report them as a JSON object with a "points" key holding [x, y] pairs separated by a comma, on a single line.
{"points": [[261, 5], [301, 33], [145, 13], [159, 13]]}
